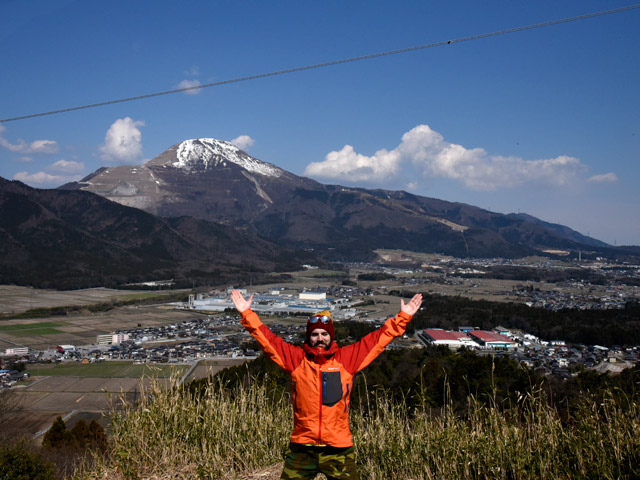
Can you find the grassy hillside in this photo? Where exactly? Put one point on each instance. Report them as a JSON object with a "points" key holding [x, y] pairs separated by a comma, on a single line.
{"points": [[222, 433]]}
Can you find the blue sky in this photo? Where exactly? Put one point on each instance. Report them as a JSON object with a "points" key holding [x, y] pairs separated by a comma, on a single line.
{"points": [[544, 121]]}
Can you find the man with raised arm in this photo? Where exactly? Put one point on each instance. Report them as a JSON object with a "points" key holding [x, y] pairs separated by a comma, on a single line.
{"points": [[321, 375]]}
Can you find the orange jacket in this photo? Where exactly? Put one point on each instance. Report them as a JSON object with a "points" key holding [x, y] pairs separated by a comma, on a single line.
{"points": [[322, 379]]}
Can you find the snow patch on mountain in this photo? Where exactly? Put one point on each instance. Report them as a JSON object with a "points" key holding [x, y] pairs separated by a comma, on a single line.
{"points": [[212, 153]]}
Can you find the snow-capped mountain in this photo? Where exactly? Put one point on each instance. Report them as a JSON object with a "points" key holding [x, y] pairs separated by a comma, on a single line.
{"points": [[203, 178], [207, 153], [214, 180]]}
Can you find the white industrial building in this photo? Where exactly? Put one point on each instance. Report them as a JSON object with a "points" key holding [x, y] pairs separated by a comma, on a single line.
{"points": [[112, 338], [19, 351], [313, 296]]}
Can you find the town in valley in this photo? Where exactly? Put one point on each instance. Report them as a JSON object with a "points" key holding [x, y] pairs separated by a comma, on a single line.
{"points": [[201, 333]]}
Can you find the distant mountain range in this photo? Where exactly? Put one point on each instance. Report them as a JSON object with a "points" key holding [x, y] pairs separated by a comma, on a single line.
{"points": [[213, 180], [204, 211], [72, 239]]}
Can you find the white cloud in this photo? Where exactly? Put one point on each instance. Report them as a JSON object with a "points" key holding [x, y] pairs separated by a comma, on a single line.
{"points": [[123, 142], [424, 152], [43, 146], [603, 178], [192, 84], [69, 167], [357, 167], [243, 142], [54, 175], [42, 179], [37, 146]]}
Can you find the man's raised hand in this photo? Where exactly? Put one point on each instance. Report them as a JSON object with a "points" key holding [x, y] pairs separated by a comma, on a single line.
{"points": [[239, 302], [412, 307]]}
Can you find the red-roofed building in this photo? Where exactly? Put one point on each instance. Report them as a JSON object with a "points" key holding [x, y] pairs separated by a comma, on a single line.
{"points": [[492, 339]]}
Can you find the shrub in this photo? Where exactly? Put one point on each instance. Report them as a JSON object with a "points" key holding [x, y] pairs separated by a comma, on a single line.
{"points": [[18, 462], [57, 435], [81, 436]]}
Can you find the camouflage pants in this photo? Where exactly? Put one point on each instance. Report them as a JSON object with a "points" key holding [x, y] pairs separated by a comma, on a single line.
{"points": [[302, 461]]}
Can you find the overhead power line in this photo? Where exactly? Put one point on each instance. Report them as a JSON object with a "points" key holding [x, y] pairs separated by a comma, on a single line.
{"points": [[331, 63]]}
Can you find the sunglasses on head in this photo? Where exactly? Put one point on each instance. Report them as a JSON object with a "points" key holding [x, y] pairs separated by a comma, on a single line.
{"points": [[320, 318]]}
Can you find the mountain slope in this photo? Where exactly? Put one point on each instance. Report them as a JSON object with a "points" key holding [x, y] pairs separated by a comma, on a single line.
{"points": [[71, 239], [565, 232], [214, 180]]}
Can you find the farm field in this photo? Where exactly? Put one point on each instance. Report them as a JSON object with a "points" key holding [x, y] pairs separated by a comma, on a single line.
{"points": [[15, 299], [88, 391], [206, 368], [75, 391], [82, 328], [107, 369], [31, 329]]}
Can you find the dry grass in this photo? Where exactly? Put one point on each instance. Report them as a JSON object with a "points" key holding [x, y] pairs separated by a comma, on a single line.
{"points": [[220, 433], [242, 434], [527, 440]]}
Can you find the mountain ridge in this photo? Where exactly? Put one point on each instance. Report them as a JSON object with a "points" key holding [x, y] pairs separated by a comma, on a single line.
{"points": [[214, 180], [75, 239]]}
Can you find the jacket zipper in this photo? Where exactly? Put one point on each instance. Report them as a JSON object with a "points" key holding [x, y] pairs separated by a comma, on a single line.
{"points": [[322, 387], [295, 396], [345, 398]]}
